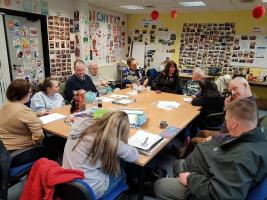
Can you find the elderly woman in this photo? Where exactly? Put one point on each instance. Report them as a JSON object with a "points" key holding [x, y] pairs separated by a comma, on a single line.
{"points": [[19, 126], [47, 98]]}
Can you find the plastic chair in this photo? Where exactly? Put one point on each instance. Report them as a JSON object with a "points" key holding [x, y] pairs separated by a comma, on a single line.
{"points": [[79, 189], [13, 175], [259, 192]]}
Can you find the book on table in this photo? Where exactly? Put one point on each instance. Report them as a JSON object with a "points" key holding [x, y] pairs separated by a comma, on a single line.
{"points": [[145, 142]]}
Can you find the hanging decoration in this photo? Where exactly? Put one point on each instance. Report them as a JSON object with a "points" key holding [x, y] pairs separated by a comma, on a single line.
{"points": [[173, 14], [154, 15], [258, 11]]}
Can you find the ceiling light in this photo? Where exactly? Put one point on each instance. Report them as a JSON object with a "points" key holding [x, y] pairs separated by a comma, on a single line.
{"points": [[192, 3], [132, 7], [264, 1]]}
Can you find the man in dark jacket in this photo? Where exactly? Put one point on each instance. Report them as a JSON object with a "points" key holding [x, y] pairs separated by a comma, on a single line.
{"points": [[78, 81], [226, 167]]}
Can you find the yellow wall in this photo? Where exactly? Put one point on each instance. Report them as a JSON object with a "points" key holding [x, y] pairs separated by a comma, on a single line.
{"points": [[244, 22]]}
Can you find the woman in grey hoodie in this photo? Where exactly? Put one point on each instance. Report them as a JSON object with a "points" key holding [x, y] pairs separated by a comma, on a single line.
{"points": [[95, 146]]}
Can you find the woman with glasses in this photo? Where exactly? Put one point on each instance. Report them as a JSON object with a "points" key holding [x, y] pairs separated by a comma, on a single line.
{"points": [[47, 98]]}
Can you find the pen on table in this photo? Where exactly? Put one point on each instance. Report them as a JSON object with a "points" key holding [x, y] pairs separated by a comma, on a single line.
{"points": [[145, 140]]}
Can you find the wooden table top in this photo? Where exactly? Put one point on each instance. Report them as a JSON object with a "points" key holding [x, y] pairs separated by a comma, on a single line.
{"points": [[179, 117]]}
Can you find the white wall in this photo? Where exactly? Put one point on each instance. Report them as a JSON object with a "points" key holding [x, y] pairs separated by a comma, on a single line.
{"points": [[65, 8]]}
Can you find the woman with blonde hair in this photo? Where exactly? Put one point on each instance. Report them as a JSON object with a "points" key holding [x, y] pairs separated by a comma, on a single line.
{"points": [[95, 147]]}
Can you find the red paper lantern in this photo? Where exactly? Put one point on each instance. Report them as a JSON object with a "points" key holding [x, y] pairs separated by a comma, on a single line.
{"points": [[258, 11], [154, 15], [173, 13]]}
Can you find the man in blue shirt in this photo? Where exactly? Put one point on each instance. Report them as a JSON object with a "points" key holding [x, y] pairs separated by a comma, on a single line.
{"points": [[78, 81]]}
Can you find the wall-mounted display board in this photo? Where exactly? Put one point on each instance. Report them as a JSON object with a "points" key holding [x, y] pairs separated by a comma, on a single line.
{"points": [[107, 37], [206, 45], [249, 51], [61, 46], [159, 42]]}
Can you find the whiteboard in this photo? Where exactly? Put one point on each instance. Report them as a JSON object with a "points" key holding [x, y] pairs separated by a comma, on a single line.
{"points": [[138, 53]]}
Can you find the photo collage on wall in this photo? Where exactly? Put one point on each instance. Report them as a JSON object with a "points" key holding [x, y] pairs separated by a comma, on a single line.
{"points": [[153, 34], [28, 63], [207, 45], [61, 46], [107, 36], [249, 51]]}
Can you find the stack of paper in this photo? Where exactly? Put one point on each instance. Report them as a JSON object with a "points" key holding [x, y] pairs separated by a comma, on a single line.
{"points": [[144, 141], [51, 117], [168, 104], [118, 96]]}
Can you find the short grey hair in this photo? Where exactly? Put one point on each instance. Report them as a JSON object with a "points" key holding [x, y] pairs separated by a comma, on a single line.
{"points": [[198, 71], [91, 65]]}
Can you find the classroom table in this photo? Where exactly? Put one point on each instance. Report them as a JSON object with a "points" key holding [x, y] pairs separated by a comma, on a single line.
{"points": [[146, 100]]}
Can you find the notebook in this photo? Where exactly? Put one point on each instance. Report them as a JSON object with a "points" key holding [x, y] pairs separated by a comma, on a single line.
{"points": [[145, 141]]}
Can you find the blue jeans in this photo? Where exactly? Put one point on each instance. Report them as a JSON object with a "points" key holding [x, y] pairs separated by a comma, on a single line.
{"points": [[114, 182]]}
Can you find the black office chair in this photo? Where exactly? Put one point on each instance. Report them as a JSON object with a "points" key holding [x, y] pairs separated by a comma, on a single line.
{"points": [[9, 175], [214, 121]]}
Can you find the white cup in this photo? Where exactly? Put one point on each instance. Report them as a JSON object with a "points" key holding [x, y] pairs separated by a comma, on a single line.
{"points": [[148, 88]]}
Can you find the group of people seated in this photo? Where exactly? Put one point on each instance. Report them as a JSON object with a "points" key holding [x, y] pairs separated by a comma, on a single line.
{"points": [[222, 165]]}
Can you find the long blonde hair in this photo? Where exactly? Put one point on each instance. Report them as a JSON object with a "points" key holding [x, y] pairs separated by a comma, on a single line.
{"points": [[108, 130]]}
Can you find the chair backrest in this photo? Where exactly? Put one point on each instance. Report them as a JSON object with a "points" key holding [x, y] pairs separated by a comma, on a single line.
{"points": [[77, 189], [259, 192]]}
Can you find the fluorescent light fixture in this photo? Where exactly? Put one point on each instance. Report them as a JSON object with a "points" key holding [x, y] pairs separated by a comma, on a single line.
{"points": [[132, 7], [264, 1], [192, 3]]}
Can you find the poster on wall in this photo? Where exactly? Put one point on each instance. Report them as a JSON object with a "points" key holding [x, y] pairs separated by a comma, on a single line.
{"points": [[249, 51], [108, 37]]}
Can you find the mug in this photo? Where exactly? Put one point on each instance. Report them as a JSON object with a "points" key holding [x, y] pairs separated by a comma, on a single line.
{"points": [[90, 97]]}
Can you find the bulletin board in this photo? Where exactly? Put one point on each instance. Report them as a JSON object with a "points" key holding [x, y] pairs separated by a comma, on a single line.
{"points": [[61, 46], [249, 51], [158, 41], [206, 45], [107, 36]]}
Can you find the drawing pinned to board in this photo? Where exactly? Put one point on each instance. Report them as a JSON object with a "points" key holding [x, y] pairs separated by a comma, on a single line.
{"points": [[34, 44], [25, 43], [27, 64], [19, 71], [44, 7], [16, 23], [17, 32], [7, 3], [27, 53], [19, 53], [35, 6], [16, 42], [10, 26], [25, 31], [33, 32]]}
